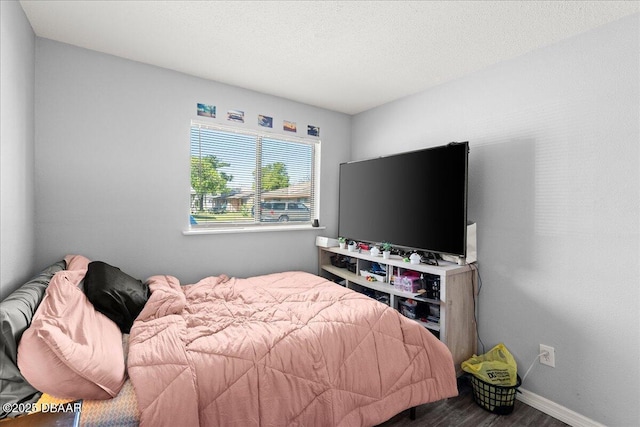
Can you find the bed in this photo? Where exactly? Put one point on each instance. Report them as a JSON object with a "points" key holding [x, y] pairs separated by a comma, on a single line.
{"points": [[288, 348]]}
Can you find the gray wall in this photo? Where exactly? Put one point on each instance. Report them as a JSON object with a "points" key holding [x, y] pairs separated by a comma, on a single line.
{"points": [[17, 50], [554, 188], [112, 168]]}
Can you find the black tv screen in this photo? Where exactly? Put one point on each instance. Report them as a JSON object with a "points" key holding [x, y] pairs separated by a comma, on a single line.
{"points": [[416, 200]]}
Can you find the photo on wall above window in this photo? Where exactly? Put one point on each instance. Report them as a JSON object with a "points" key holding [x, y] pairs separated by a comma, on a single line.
{"points": [[207, 110], [289, 126], [265, 121], [243, 178], [235, 116], [313, 130]]}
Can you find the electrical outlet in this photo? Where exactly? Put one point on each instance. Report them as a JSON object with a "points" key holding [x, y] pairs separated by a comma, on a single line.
{"points": [[547, 355]]}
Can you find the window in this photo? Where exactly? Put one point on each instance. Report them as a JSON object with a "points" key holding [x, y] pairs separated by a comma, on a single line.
{"points": [[244, 178]]}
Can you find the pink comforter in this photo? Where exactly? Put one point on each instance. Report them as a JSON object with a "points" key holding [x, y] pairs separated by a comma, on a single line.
{"points": [[281, 349]]}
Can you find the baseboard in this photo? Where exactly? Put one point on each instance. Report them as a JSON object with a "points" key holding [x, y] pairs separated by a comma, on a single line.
{"points": [[558, 412]]}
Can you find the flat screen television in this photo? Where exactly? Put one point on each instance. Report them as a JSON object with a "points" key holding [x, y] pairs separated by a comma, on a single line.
{"points": [[415, 200]]}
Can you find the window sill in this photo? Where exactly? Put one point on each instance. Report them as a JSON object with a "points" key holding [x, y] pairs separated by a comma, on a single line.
{"points": [[259, 229]]}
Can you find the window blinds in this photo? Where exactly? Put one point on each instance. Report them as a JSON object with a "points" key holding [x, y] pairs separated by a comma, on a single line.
{"points": [[241, 177]]}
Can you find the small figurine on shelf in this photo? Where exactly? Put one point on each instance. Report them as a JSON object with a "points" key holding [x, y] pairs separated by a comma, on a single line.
{"points": [[343, 242], [386, 250], [374, 251], [415, 258]]}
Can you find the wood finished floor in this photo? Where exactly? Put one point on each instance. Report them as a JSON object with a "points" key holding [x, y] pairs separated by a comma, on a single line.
{"points": [[462, 411]]}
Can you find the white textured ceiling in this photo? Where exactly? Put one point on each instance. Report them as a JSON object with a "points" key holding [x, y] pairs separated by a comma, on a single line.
{"points": [[346, 56]]}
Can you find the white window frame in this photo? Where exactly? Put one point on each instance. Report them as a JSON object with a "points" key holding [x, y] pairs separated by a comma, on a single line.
{"points": [[221, 228]]}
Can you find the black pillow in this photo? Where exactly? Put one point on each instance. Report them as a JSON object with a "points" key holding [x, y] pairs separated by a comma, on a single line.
{"points": [[115, 294]]}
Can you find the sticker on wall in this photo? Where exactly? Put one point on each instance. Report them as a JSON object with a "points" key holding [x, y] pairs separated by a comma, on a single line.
{"points": [[235, 116], [207, 110], [290, 126], [313, 130], [265, 121]]}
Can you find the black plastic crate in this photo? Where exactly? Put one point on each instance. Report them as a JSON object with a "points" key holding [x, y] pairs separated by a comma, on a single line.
{"points": [[339, 261], [496, 399], [344, 262]]}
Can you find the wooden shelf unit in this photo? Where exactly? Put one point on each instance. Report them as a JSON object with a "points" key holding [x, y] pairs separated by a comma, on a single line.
{"points": [[456, 326]]}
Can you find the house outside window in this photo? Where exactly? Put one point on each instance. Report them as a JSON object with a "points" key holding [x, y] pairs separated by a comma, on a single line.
{"points": [[242, 178]]}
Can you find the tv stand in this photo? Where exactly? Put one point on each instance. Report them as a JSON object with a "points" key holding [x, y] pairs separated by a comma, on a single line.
{"points": [[447, 309]]}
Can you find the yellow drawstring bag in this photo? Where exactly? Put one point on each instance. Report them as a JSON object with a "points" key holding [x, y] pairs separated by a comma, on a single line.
{"points": [[497, 366]]}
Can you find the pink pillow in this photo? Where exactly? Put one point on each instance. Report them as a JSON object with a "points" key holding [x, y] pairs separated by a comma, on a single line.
{"points": [[71, 350]]}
